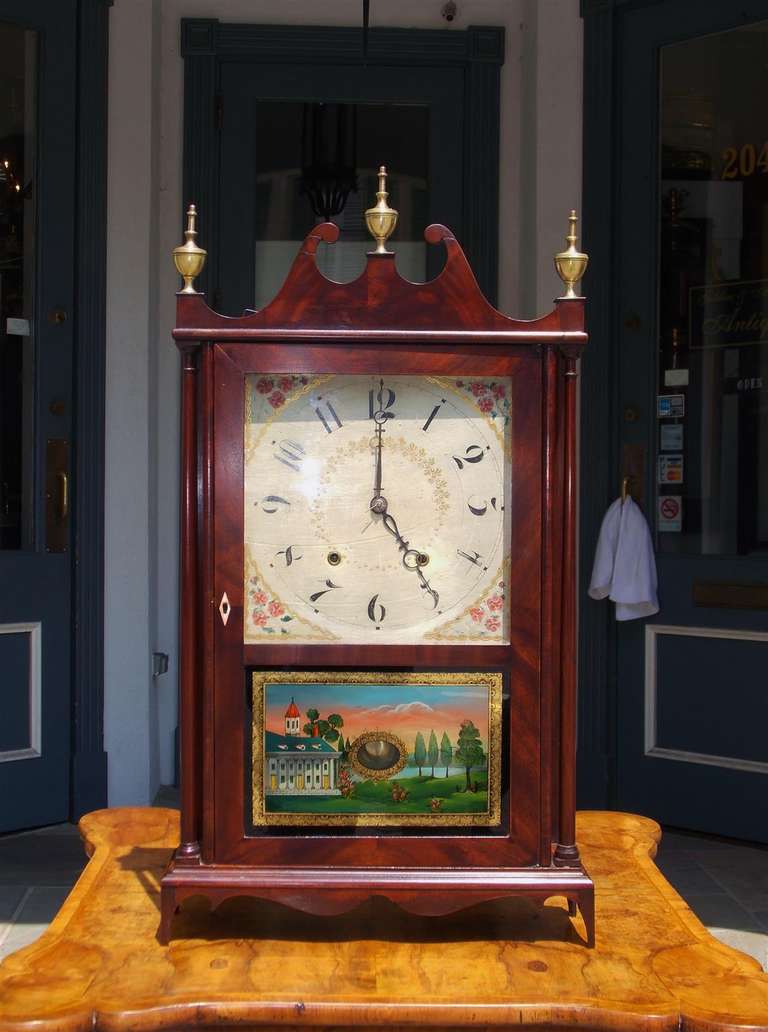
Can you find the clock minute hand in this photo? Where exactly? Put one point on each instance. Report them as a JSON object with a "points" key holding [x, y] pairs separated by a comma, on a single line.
{"points": [[408, 553], [377, 485], [378, 503], [427, 587]]}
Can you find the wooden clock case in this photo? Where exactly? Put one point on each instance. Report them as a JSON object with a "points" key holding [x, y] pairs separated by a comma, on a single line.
{"points": [[379, 324]]}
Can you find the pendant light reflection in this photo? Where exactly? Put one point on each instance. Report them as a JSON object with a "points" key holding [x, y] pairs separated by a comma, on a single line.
{"points": [[328, 157], [11, 190]]}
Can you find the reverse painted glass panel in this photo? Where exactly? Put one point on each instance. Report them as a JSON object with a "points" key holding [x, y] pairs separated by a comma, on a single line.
{"points": [[376, 749]]}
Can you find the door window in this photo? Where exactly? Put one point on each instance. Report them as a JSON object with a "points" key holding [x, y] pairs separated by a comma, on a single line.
{"points": [[712, 410], [18, 133], [295, 136]]}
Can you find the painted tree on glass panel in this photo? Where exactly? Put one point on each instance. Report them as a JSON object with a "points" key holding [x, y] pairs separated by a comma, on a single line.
{"points": [[469, 749]]}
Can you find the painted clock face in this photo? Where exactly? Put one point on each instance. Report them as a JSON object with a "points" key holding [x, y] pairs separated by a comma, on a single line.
{"points": [[376, 509]]}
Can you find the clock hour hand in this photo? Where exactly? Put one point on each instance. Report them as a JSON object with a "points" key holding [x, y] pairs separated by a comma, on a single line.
{"points": [[391, 526]]}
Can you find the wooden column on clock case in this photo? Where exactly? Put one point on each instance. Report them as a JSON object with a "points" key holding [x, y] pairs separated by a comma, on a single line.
{"points": [[559, 659], [566, 850], [571, 265], [189, 259], [314, 324], [197, 606], [190, 772]]}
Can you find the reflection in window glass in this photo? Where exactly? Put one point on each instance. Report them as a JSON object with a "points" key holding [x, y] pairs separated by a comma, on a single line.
{"points": [[712, 462], [296, 140]]}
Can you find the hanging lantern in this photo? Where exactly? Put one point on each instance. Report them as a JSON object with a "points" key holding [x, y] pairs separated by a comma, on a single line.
{"points": [[328, 156]]}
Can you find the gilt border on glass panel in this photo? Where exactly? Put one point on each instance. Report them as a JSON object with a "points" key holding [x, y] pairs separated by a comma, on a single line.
{"points": [[490, 818]]}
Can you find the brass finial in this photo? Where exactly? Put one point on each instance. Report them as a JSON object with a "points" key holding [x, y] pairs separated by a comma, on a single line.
{"points": [[381, 219], [571, 264], [188, 257]]}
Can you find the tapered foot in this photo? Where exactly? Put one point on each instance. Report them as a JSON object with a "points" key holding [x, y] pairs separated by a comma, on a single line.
{"points": [[168, 909], [587, 908]]}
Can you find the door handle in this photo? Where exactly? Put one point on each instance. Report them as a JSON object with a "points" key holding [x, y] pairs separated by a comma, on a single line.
{"points": [[633, 470], [57, 496], [63, 479]]}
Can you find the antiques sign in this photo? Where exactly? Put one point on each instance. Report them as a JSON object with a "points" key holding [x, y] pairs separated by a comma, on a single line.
{"points": [[728, 314]]}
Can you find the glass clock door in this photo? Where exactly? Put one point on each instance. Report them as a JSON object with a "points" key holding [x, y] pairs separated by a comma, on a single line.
{"points": [[376, 509]]}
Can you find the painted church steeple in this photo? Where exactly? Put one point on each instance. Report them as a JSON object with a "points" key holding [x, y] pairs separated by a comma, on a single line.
{"points": [[292, 719]]}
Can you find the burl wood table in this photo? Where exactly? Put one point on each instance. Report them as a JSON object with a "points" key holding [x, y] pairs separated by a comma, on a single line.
{"points": [[256, 965]]}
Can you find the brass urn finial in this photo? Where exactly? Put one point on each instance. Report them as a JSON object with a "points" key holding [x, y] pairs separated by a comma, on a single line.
{"points": [[381, 219], [571, 264], [188, 258]]}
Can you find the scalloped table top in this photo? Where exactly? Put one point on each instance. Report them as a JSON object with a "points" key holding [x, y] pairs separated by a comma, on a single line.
{"points": [[508, 964]]}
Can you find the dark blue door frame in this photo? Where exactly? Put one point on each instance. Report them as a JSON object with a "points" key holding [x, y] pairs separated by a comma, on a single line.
{"points": [[89, 761], [599, 381], [601, 418]]}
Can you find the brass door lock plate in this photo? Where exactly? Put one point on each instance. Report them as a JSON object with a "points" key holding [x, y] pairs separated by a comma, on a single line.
{"points": [[57, 495]]}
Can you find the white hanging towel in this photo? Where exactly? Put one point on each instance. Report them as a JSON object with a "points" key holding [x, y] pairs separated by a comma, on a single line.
{"points": [[625, 565]]}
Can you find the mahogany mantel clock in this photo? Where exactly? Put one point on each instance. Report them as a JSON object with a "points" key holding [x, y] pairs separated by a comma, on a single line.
{"points": [[378, 590]]}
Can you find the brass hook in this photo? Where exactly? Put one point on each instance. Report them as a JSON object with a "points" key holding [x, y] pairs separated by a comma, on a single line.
{"points": [[625, 491]]}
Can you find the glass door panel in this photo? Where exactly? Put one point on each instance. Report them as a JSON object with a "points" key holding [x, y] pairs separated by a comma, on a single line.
{"points": [[712, 460], [292, 135], [18, 136]]}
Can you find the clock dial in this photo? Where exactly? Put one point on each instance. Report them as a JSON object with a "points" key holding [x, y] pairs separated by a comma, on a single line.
{"points": [[376, 509]]}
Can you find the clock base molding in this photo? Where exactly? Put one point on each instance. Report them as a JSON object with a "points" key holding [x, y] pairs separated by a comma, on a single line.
{"points": [[427, 892]]}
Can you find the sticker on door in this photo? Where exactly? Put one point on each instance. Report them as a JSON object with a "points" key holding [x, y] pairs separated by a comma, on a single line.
{"points": [[669, 516]]}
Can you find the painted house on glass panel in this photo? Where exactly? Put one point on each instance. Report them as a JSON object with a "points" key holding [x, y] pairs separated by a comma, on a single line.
{"points": [[293, 765]]}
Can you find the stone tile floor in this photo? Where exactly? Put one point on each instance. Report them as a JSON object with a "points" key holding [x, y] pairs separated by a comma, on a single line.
{"points": [[723, 881]]}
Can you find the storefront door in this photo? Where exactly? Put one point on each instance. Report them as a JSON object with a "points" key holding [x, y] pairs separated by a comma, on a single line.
{"points": [[692, 357], [37, 232]]}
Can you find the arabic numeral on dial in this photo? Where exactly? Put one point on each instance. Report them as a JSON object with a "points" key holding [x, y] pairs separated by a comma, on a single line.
{"points": [[376, 611], [479, 506], [432, 414], [381, 400], [274, 503], [473, 453], [291, 454], [329, 586], [289, 555]]}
